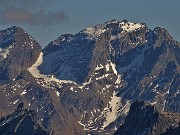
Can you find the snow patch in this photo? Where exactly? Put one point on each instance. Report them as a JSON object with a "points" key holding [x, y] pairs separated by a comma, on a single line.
{"points": [[57, 93], [107, 67], [164, 105], [104, 76], [4, 53], [129, 27], [108, 86], [83, 125], [94, 31], [114, 110], [36, 73], [72, 89], [23, 93], [153, 103], [85, 83], [99, 67], [118, 81], [14, 102], [113, 68]]}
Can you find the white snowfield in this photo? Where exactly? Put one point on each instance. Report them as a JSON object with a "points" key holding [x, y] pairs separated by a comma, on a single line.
{"points": [[129, 27], [117, 109], [36, 73]]}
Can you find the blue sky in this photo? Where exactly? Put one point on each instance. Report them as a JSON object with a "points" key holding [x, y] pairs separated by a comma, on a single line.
{"points": [[46, 20]]}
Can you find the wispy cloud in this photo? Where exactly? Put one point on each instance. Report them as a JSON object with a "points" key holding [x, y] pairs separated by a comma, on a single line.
{"points": [[22, 12], [25, 2], [23, 16]]}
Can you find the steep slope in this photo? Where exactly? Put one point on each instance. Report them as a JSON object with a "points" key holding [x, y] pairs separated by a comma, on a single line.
{"points": [[173, 131], [86, 50], [24, 88], [85, 83], [18, 51], [111, 65], [144, 119], [52, 115], [21, 122]]}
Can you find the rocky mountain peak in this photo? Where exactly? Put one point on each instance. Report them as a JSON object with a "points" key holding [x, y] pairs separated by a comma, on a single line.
{"points": [[18, 51], [162, 34], [85, 83], [114, 27], [54, 45], [107, 41]]}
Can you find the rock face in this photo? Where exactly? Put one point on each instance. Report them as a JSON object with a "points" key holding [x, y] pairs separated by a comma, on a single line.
{"points": [[146, 120], [85, 83], [18, 51], [21, 122], [172, 131]]}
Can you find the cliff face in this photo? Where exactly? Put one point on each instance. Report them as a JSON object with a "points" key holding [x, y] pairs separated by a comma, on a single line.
{"points": [[146, 120], [85, 83], [18, 51], [172, 131], [22, 122]]}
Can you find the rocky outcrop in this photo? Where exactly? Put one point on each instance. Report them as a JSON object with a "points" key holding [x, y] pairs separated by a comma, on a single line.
{"points": [[144, 119], [18, 51], [125, 58], [172, 131], [22, 122]]}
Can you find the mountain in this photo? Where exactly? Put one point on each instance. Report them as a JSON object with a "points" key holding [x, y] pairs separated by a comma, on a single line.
{"points": [[144, 119], [21, 122], [18, 51], [85, 83]]}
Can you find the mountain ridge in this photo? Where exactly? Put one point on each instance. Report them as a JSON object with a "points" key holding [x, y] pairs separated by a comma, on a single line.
{"points": [[145, 119], [85, 83]]}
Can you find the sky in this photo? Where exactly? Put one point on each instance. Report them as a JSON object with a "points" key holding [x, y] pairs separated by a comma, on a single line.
{"points": [[46, 20]]}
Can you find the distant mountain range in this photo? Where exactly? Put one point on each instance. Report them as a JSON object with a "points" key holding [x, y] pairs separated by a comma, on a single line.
{"points": [[118, 78]]}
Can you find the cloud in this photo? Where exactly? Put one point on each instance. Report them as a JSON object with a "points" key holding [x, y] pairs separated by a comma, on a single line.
{"points": [[31, 12], [24, 16], [24, 2]]}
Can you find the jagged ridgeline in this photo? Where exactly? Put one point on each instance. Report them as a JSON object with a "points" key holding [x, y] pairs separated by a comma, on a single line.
{"points": [[85, 83]]}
